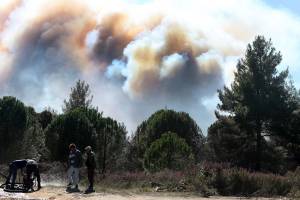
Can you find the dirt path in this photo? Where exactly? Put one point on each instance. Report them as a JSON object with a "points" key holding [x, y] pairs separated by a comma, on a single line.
{"points": [[58, 193]]}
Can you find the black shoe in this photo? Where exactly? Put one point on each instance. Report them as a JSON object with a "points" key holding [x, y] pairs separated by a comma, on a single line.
{"points": [[71, 190], [89, 190], [69, 185], [76, 189]]}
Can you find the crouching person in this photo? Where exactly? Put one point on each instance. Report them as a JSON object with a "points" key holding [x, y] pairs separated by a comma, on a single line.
{"points": [[31, 169], [74, 164], [91, 165]]}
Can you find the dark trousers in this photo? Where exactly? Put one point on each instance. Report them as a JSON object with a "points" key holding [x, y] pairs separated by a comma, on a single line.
{"points": [[12, 175], [91, 173], [32, 169]]}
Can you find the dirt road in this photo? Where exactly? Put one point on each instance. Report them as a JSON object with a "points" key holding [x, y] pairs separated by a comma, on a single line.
{"points": [[58, 193]]}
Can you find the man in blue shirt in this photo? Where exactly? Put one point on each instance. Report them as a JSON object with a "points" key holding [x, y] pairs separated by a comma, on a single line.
{"points": [[74, 163]]}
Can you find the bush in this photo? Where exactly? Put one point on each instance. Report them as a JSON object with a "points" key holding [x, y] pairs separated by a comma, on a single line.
{"points": [[165, 180], [72, 127], [240, 182], [214, 178], [294, 177], [161, 122], [169, 152]]}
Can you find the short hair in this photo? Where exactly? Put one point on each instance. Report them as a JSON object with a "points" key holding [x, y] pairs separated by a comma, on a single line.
{"points": [[88, 148], [72, 145]]}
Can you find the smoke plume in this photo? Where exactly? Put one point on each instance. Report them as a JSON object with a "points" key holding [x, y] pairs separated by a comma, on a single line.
{"points": [[137, 57]]}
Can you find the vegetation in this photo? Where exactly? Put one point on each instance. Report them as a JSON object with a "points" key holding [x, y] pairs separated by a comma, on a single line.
{"points": [[72, 127], [252, 149], [84, 125], [111, 141], [79, 97], [168, 152], [161, 122], [259, 99], [203, 179], [13, 119]]}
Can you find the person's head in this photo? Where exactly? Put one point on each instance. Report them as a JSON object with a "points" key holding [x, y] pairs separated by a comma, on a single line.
{"points": [[88, 149], [31, 161], [72, 147]]}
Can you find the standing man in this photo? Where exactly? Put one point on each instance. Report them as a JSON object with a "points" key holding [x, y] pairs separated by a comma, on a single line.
{"points": [[91, 166], [74, 163]]}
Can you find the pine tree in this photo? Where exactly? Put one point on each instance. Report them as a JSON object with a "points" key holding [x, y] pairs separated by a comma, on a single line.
{"points": [[259, 93], [80, 97]]}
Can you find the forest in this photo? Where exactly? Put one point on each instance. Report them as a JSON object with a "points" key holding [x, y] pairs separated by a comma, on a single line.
{"points": [[253, 147]]}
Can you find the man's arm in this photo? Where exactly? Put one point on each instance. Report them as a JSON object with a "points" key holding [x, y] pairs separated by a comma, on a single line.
{"points": [[79, 157], [93, 160]]}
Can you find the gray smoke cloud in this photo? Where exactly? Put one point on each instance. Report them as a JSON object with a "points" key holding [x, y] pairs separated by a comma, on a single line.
{"points": [[138, 58]]}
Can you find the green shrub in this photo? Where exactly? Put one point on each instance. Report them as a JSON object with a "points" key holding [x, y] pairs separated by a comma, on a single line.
{"points": [[222, 179], [168, 152], [164, 121], [240, 182], [294, 178]]}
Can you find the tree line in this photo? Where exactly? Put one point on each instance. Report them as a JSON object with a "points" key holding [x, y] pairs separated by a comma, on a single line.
{"points": [[257, 126]]}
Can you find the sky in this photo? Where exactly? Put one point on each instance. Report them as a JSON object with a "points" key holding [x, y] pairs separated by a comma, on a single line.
{"points": [[138, 56], [290, 5]]}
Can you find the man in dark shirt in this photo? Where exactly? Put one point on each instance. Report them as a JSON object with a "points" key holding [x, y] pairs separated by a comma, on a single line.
{"points": [[91, 165], [74, 163], [31, 169]]}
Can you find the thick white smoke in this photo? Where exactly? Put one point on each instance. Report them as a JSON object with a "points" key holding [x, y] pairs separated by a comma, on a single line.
{"points": [[137, 57]]}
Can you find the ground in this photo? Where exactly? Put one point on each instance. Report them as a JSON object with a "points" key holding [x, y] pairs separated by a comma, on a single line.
{"points": [[58, 193]]}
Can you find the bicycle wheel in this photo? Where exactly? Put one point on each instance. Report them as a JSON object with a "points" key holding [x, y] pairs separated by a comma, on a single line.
{"points": [[18, 187], [3, 185]]}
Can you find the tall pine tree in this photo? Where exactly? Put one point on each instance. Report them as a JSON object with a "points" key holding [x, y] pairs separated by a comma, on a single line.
{"points": [[80, 97], [259, 94]]}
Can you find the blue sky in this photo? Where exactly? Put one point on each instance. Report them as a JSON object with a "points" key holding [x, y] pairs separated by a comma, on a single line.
{"points": [[292, 5]]}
